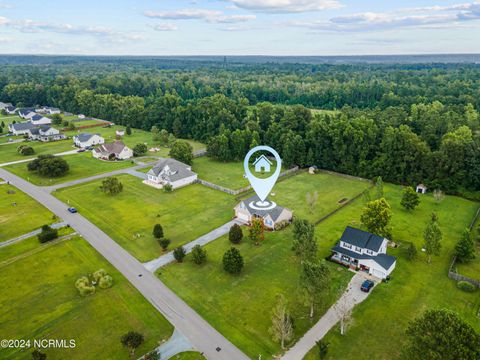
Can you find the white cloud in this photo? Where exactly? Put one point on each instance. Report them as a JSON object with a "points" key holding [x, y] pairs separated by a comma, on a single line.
{"points": [[4, 40], [165, 27], [424, 17], [287, 6], [4, 21], [5, 6], [212, 16]]}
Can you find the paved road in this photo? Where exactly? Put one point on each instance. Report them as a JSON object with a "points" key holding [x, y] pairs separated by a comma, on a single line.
{"points": [[202, 240], [201, 335], [351, 297], [30, 234]]}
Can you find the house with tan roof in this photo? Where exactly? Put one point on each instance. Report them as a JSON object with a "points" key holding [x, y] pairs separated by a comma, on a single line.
{"points": [[246, 211], [113, 151]]}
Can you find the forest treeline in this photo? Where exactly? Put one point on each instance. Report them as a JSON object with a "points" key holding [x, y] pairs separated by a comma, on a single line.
{"points": [[407, 123]]}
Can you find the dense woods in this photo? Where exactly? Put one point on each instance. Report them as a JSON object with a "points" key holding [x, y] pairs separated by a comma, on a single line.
{"points": [[407, 123]]}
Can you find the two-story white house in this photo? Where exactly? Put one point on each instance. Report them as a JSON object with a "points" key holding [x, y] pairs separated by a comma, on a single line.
{"points": [[11, 110], [85, 140], [21, 128], [171, 172], [364, 251], [37, 119], [26, 113]]}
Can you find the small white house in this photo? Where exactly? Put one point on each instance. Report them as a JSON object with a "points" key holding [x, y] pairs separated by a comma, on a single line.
{"points": [[422, 189], [119, 132], [171, 172], [37, 119], [262, 164], [113, 151], [47, 110], [11, 110], [247, 211], [81, 116], [364, 251], [26, 113], [85, 140], [4, 106]]}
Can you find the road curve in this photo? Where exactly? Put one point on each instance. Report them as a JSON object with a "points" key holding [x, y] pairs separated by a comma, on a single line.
{"points": [[201, 335]]}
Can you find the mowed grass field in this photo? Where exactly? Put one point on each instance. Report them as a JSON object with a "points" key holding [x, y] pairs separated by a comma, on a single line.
{"points": [[20, 214], [380, 321], [240, 306], [81, 166], [9, 153], [129, 217], [227, 174], [43, 303]]}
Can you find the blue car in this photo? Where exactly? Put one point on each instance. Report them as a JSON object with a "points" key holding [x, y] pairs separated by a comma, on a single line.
{"points": [[72, 210], [367, 285]]}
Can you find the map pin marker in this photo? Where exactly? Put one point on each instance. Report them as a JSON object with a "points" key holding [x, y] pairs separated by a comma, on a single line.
{"points": [[262, 187]]}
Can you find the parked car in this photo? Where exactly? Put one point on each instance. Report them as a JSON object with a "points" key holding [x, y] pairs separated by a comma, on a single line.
{"points": [[81, 150], [72, 210], [367, 285]]}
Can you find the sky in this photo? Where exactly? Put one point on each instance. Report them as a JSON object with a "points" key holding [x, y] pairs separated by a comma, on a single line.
{"points": [[239, 27]]}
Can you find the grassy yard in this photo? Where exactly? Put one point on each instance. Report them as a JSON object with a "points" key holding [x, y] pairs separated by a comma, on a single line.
{"points": [[189, 355], [227, 174], [42, 303], [380, 321], [291, 192], [9, 152], [81, 166], [240, 306], [19, 219], [129, 217]]}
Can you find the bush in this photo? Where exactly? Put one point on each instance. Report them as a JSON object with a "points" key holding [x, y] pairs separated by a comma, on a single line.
{"points": [[84, 286], [167, 188], [25, 150], [232, 261], [105, 282], [466, 286], [164, 242], [47, 234], [199, 255], [139, 149], [411, 251], [158, 231], [97, 275], [49, 165], [235, 234], [179, 253]]}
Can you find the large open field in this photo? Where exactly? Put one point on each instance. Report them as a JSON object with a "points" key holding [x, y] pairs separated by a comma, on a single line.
{"points": [[81, 166], [129, 217], [380, 321], [43, 303], [240, 306], [227, 174], [19, 213], [9, 152]]}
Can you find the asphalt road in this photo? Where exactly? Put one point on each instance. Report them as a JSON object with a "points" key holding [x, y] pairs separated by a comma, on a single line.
{"points": [[200, 334]]}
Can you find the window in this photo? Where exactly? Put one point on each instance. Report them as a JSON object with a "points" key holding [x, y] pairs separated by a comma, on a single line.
{"points": [[358, 249], [347, 246]]}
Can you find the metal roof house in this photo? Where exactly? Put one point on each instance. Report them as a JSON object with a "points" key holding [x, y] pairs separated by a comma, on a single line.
{"points": [[171, 172], [362, 250], [247, 211]]}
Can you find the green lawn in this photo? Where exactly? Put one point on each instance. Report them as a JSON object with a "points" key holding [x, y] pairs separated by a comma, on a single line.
{"points": [[129, 217], [19, 219], [81, 166], [240, 306], [189, 355], [380, 321], [43, 303], [291, 192], [227, 174], [9, 152], [472, 268]]}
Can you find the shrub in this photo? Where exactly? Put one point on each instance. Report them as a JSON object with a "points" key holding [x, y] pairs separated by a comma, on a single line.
{"points": [[235, 234], [199, 255], [167, 188], [139, 149], [97, 275], [466, 286], [232, 261], [25, 150], [158, 231], [105, 282], [164, 242], [179, 253], [84, 286], [49, 165], [47, 234], [411, 251], [111, 186]]}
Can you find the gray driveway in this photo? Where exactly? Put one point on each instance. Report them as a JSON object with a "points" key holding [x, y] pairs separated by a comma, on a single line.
{"points": [[163, 260], [176, 344], [30, 234], [200, 333], [351, 297]]}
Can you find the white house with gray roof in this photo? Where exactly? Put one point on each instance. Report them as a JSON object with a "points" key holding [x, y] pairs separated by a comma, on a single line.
{"points": [[171, 172], [85, 140], [247, 211], [11, 110], [45, 133], [364, 251], [21, 128], [37, 119]]}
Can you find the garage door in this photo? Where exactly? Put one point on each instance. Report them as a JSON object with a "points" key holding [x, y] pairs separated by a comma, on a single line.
{"points": [[378, 273], [243, 217]]}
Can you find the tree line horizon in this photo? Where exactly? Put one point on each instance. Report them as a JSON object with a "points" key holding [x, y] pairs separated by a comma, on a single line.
{"points": [[408, 123]]}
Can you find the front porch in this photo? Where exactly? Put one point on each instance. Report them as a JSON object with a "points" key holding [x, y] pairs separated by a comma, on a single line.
{"points": [[349, 262]]}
